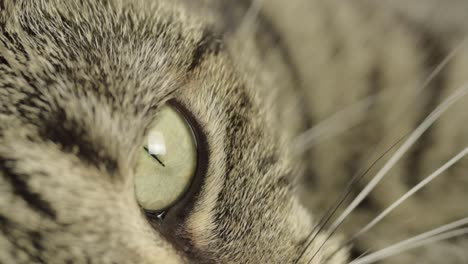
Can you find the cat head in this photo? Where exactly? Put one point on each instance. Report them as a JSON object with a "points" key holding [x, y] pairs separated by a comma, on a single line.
{"points": [[81, 83]]}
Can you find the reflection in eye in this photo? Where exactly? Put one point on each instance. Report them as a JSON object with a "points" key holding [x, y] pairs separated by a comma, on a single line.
{"points": [[167, 161], [156, 143]]}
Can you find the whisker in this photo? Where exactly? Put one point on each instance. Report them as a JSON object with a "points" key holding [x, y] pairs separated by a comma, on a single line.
{"points": [[345, 119], [411, 192], [250, 16], [351, 115], [412, 138], [410, 141], [425, 84], [444, 232], [389, 209], [432, 75], [334, 125], [443, 63], [327, 216], [366, 253], [431, 240]]}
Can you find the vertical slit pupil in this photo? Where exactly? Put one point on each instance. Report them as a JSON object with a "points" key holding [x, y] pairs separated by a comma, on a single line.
{"points": [[154, 157]]}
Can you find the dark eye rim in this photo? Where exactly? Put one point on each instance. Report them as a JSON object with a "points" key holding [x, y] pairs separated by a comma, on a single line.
{"points": [[169, 219]]}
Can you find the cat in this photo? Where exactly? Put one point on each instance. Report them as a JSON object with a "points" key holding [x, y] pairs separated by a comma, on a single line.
{"points": [[95, 95]]}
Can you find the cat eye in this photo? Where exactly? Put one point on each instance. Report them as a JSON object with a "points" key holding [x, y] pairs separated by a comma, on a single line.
{"points": [[167, 161]]}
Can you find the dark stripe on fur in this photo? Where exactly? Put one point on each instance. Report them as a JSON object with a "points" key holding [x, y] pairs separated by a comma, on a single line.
{"points": [[238, 120], [358, 155], [266, 36], [434, 50], [71, 137], [359, 140], [21, 189], [238, 115], [210, 43], [14, 234], [269, 39], [276, 40]]}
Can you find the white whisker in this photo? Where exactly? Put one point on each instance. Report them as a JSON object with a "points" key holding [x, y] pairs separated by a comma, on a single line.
{"points": [[441, 233], [334, 125], [443, 63], [351, 115], [250, 16], [410, 141], [411, 192], [432, 75]]}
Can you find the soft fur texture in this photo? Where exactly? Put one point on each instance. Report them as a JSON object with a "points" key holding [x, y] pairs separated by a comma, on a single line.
{"points": [[80, 82]]}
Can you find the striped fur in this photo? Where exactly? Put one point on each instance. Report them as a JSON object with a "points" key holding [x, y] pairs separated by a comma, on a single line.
{"points": [[80, 82]]}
